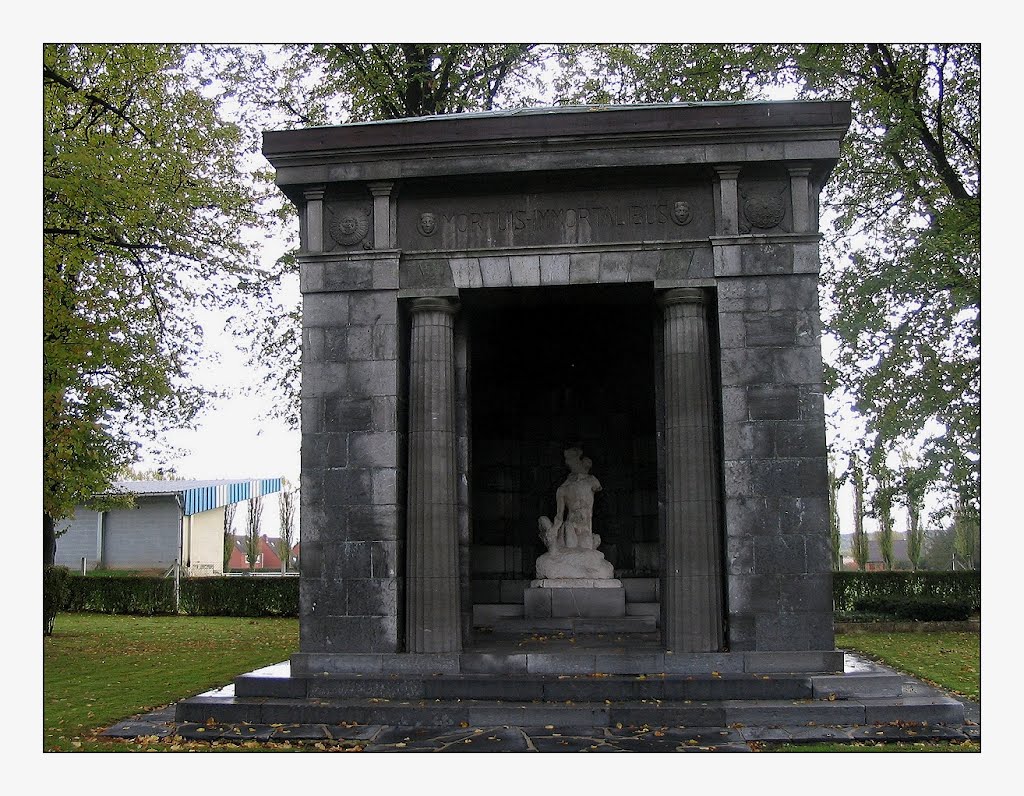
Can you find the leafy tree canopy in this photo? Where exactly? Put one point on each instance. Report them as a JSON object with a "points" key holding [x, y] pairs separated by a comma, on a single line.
{"points": [[143, 203], [901, 223], [903, 254], [143, 209]]}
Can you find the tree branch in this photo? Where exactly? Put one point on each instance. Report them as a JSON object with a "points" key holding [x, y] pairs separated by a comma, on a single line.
{"points": [[51, 76]]}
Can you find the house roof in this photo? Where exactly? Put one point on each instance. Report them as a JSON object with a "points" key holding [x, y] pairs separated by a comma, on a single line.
{"points": [[899, 546], [199, 496]]}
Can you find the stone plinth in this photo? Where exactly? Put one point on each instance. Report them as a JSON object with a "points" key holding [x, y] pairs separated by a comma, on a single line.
{"points": [[596, 601]]}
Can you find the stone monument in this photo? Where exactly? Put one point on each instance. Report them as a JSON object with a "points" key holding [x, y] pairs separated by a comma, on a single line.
{"points": [[639, 282], [450, 265], [573, 576]]}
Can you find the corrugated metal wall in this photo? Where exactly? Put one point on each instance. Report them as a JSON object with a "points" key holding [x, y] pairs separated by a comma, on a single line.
{"points": [[146, 537]]}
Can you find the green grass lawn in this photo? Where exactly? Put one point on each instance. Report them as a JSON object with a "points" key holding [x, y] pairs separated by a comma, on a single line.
{"points": [[950, 660], [100, 669]]}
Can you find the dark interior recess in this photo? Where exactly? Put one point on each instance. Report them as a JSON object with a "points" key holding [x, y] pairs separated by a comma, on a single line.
{"points": [[553, 368]]}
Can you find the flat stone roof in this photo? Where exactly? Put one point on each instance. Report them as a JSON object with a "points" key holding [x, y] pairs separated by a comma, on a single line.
{"points": [[537, 140], [573, 121]]}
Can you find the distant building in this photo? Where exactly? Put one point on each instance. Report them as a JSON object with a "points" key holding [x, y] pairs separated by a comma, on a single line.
{"points": [[267, 559], [171, 521], [900, 557]]}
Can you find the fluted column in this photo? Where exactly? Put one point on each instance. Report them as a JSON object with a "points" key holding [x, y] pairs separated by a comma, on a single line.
{"points": [[432, 540], [692, 595]]}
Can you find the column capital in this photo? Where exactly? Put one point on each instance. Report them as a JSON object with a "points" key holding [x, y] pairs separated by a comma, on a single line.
{"points": [[682, 295], [434, 304], [799, 169], [314, 193], [380, 187], [727, 171]]}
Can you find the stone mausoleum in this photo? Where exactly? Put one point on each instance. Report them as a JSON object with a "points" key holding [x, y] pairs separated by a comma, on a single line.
{"points": [[498, 304]]}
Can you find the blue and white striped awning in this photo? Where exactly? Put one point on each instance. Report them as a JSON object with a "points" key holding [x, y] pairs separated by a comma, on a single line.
{"points": [[204, 498], [199, 496]]}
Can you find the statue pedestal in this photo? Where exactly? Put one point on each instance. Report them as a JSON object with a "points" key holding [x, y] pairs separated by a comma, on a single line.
{"points": [[571, 597]]}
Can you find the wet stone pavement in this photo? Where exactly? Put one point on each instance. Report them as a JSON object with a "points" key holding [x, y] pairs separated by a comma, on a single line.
{"points": [[161, 724], [382, 738]]}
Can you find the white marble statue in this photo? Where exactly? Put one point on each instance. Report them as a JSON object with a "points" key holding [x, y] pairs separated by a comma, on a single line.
{"points": [[571, 543]]}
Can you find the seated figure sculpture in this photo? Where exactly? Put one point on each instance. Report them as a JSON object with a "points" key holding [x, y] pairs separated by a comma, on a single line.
{"points": [[571, 543]]}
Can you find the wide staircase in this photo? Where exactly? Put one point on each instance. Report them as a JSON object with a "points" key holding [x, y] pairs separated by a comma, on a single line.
{"points": [[570, 680]]}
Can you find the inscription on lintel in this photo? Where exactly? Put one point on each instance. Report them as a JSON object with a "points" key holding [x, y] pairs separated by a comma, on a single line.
{"points": [[580, 217]]}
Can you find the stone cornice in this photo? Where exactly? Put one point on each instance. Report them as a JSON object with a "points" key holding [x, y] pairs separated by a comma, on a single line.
{"points": [[555, 139]]}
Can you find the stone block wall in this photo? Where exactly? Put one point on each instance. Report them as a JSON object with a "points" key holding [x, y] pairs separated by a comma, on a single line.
{"points": [[774, 460], [353, 470]]}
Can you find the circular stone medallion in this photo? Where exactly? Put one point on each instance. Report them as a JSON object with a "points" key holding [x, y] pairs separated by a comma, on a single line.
{"points": [[763, 210], [348, 227]]}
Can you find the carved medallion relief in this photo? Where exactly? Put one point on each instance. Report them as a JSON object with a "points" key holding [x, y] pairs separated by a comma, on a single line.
{"points": [[348, 226], [764, 199]]}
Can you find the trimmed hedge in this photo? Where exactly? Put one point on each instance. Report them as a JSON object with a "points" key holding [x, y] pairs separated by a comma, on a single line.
{"points": [[240, 596], [915, 609], [147, 596], [852, 588], [279, 596], [121, 594]]}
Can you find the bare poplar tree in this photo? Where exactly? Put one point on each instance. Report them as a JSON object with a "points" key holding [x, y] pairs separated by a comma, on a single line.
{"points": [[229, 534], [861, 551], [966, 537], [833, 519], [915, 533], [883, 510], [286, 514], [252, 531]]}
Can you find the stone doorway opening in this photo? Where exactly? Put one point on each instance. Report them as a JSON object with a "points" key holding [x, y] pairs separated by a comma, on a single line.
{"points": [[552, 368]]}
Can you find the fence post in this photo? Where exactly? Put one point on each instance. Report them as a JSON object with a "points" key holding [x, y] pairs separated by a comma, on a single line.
{"points": [[177, 586], [85, 565]]}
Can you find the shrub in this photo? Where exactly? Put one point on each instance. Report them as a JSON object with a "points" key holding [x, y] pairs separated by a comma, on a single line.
{"points": [[55, 592], [915, 609], [927, 609], [240, 596], [121, 594], [849, 588], [147, 596]]}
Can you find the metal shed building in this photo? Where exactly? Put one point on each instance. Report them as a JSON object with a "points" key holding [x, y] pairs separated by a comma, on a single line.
{"points": [[170, 520]]}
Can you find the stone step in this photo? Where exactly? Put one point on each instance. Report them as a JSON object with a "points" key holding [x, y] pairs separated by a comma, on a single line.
{"points": [[485, 614], [575, 625], [645, 609], [558, 654], [219, 708], [550, 688]]}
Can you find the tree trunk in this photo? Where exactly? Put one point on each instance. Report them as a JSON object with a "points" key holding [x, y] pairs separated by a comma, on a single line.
{"points": [[49, 540]]}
